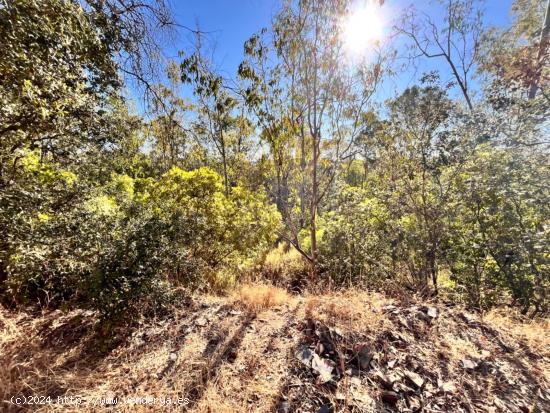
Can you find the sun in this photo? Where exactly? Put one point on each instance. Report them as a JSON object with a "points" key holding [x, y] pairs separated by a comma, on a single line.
{"points": [[361, 29]]}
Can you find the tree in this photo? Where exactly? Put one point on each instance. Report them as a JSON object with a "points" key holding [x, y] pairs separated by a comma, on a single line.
{"points": [[330, 96], [170, 138], [63, 123], [215, 106], [457, 41], [498, 236], [515, 59], [273, 108], [542, 52]]}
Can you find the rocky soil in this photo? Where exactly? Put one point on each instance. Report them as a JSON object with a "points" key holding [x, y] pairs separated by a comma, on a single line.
{"points": [[352, 352]]}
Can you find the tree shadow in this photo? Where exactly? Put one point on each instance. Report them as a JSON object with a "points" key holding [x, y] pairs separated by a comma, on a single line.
{"points": [[218, 350], [508, 391], [37, 363], [290, 399]]}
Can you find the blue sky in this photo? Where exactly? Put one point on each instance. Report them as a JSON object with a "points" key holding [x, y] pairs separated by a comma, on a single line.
{"points": [[230, 23]]}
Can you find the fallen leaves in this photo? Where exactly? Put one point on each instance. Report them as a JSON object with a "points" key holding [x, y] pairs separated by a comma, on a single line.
{"points": [[323, 367], [414, 378], [409, 365]]}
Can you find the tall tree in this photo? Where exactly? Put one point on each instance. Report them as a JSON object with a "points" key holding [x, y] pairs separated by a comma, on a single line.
{"points": [[542, 53], [456, 40], [215, 106], [330, 93]]}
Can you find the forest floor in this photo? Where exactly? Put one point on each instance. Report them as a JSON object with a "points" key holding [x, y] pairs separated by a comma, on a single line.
{"points": [[350, 351]]}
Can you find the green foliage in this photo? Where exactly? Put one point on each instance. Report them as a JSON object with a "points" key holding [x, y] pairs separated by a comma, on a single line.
{"points": [[54, 73], [355, 242], [500, 235], [106, 209], [133, 236], [208, 229], [440, 192]]}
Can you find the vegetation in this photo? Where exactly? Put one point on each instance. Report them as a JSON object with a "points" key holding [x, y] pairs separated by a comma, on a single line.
{"points": [[299, 170], [355, 218]]}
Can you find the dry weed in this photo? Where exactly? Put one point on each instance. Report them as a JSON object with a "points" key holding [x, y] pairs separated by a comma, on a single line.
{"points": [[536, 333], [284, 266], [257, 297], [350, 309]]}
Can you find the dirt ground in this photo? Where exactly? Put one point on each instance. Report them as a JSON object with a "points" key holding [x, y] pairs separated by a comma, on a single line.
{"points": [[343, 352]]}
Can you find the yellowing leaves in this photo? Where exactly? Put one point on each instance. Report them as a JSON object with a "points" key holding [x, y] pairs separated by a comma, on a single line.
{"points": [[102, 205], [46, 172], [43, 217]]}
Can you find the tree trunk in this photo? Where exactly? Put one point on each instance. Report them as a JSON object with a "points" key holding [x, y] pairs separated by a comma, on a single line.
{"points": [[3, 274], [544, 38], [303, 172], [433, 269], [224, 160], [279, 191], [313, 210]]}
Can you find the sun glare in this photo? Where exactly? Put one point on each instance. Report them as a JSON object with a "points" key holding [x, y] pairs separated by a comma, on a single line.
{"points": [[361, 29]]}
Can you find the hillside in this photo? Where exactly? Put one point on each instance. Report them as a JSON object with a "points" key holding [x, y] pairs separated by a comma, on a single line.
{"points": [[291, 206], [264, 351]]}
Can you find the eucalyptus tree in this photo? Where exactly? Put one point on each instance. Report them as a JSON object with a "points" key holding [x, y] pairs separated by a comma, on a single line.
{"points": [[328, 93], [423, 153], [268, 94], [456, 39], [63, 64], [215, 106], [542, 54], [500, 230], [167, 130]]}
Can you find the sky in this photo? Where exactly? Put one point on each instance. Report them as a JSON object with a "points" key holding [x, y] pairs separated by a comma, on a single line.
{"points": [[229, 23], [232, 22]]}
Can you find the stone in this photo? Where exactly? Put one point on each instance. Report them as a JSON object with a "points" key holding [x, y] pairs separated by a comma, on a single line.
{"points": [[390, 397]]}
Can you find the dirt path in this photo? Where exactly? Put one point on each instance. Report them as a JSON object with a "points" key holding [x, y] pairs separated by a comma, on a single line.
{"points": [[252, 365]]}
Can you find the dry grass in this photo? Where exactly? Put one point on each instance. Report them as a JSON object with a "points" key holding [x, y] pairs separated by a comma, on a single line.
{"points": [[284, 256], [56, 355], [33, 350], [232, 361], [9, 334], [455, 348], [536, 333], [284, 266], [257, 297], [254, 378], [350, 309]]}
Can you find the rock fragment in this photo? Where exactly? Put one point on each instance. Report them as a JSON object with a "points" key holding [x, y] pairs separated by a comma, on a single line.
{"points": [[389, 397], [468, 364]]}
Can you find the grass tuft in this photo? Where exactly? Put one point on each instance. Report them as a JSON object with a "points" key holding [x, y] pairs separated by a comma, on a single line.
{"points": [[257, 297]]}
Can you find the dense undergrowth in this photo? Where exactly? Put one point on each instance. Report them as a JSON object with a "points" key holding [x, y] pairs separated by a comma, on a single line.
{"points": [[301, 176]]}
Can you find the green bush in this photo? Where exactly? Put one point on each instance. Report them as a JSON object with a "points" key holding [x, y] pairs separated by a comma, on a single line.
{"points": [[354, 247], [131, 238], [210, 232], [499, 244]]}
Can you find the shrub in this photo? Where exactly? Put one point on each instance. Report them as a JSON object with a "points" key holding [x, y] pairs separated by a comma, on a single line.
{"points": [[285, 267], [355, 247], [131, 240], [210, 232], [256, 297], [498, 246]]}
